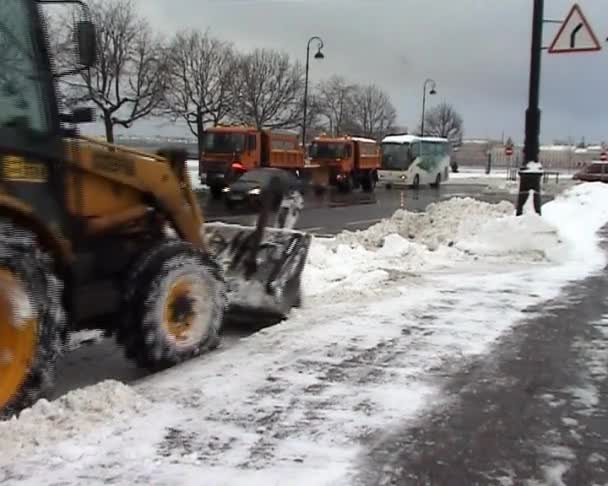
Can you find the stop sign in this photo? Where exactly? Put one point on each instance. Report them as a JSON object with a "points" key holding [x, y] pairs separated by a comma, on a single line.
{"points": [[509, 151], [603, 156]]}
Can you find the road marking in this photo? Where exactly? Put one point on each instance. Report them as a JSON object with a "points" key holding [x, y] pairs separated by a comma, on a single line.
{"points": [[363, 221]]}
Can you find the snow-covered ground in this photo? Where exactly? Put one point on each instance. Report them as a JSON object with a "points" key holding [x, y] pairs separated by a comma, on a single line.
{"points": [[497, 181], [386, 308], [478, 172]]}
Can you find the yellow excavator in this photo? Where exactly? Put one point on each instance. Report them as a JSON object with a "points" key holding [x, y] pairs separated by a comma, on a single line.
{"points": [[97, 236]]}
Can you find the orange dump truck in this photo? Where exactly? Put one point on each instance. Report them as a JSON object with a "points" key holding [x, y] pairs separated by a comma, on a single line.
{"points": [[228, 151], [352, 161]]}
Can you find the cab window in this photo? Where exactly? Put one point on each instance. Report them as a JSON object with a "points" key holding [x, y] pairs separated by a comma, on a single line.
{"points": [[22, 79]]}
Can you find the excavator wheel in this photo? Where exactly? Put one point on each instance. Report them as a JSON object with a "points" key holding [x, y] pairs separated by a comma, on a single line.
{"points": [[32, 320], [174, 305]]}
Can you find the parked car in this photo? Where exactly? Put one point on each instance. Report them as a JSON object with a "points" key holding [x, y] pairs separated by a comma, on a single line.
{"points": [[597, 171], [248, 190]]}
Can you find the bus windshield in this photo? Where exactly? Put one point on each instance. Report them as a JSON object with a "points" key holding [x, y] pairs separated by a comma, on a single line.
{"points": [[216, 142], [22, 78], [327, 150], [396, 156]]}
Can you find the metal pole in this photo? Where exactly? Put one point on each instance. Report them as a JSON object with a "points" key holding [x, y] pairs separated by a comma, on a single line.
{"points": [[531, 147], [529, 181], [305, 98], [423, 107]]}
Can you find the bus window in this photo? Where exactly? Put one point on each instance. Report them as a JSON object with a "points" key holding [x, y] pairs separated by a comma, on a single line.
{"points": [[415, 150], [396, 156], [427, 149]]}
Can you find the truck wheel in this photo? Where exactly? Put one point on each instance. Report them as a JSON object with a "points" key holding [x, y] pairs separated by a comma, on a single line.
{"points": [[437, 183], [416, 182], [174, 306], [368, 183], [32, 321], [216, 192], [346, 185]]}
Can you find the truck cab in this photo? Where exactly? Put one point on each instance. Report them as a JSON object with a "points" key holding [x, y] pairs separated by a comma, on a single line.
{"points": [[227, 152], [352, 161]]}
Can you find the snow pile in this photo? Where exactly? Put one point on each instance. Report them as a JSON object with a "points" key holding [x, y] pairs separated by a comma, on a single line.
{"points": [[75, 413], [337, 270], [459, 230], [580, 213], [528, 237], [81, 338], [441, 223]]}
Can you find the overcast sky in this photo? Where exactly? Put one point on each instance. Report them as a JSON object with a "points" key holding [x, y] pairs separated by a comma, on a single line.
{"points": [[476, 50]]}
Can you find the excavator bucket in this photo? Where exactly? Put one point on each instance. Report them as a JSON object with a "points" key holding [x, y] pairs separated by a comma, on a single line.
{"points": [[262, 264]]}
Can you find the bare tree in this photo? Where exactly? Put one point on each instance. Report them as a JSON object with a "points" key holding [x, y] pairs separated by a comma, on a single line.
{"points": [[130, 77], [443, 121], [335, 98], [202, 69], [315, 119], [372, 114], [269, 90]]}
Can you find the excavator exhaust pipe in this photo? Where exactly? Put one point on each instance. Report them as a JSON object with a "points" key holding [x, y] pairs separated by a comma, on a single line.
{"points": [[262, 264]]}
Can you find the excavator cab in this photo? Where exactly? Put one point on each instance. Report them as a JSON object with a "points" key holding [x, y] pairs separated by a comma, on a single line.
{"points": [[97, 236]]}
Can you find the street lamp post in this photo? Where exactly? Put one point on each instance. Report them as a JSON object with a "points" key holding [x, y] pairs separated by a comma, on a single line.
{"points": [[432, 92], [318, 55], [530, 178]]}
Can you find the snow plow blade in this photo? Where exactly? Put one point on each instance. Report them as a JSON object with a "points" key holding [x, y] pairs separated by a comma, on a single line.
{"points": [[262, 267]]}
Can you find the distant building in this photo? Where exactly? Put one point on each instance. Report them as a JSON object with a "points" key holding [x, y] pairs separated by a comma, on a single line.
{"points": [[473, 152], [557, 156]]}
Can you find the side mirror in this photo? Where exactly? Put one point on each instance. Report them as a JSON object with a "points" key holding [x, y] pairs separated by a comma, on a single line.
{"points": [[86, 42], [79, 115], [83, 115]]}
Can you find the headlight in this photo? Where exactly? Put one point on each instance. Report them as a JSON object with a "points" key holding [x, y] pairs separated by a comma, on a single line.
{"points": [[226, 189], [255, 192]]}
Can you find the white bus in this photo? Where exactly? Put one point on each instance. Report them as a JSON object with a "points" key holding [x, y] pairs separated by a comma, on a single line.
{"points": [[413, 161]]}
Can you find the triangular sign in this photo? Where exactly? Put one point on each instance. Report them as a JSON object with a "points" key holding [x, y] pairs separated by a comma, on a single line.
{"points": [[575, 35]]}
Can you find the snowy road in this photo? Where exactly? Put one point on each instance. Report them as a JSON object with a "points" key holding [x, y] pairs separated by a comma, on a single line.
{"points": [[337, 212], [389, 312], [530, 412]]}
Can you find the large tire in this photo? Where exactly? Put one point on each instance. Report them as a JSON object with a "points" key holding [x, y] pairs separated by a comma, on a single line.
{"points": [[368, 183], [437, 183], [32, 322], [174, 306], [216, 192], [347, 185], [416, 182]]}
